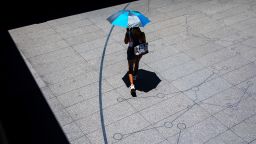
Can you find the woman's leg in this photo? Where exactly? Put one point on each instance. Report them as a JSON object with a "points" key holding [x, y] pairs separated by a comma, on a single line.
{"points": [[136, 65], [130, 72]]}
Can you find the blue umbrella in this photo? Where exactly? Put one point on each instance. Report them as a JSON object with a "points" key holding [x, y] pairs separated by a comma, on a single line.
{"points": [[128, 19]]}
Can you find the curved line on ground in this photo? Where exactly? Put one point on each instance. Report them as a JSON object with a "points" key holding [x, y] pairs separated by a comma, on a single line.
{"points": [[100, 85]]}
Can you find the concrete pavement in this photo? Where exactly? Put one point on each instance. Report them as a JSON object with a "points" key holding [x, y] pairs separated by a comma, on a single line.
{"points": [[204, 52]]}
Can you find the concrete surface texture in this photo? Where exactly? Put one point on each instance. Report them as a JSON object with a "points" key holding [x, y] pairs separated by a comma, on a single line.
{"points": [[204, 52]]}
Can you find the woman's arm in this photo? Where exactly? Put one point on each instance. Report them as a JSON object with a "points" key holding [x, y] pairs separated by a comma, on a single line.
{"points": [[126, 38], [143, 37]]}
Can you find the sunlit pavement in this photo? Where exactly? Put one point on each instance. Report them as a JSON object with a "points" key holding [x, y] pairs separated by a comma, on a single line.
{"points": [[204, 52]]}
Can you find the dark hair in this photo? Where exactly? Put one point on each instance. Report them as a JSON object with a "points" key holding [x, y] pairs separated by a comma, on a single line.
{"points": [[133, 28]]}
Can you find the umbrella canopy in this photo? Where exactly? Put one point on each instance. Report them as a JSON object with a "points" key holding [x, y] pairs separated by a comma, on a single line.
{"points": [[128, 19]]}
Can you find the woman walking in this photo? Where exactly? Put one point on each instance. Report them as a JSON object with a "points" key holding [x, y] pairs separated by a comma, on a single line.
{"points": [[133, 37]]}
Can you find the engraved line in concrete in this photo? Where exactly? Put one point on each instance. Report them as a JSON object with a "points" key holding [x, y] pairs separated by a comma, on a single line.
{"points": [[100, 85]]}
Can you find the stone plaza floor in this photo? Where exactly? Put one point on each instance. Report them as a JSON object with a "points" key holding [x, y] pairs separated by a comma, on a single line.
{"points": [[203, 51]]}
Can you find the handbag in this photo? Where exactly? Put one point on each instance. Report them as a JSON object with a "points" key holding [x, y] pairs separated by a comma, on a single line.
{"points": [[141, 49]]}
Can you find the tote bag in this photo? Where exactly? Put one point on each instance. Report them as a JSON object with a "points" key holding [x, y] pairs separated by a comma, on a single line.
{"points": [[141, 49]]}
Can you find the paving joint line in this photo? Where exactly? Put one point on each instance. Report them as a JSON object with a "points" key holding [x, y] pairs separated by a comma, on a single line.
{"points": [[72, 120]]}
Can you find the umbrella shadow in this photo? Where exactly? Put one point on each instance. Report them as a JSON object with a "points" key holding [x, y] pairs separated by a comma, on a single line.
{"points": [[146, 82]]}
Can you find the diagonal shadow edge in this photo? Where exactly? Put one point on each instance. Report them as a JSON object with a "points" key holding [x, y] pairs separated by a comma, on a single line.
{"points": [[100, 85]]}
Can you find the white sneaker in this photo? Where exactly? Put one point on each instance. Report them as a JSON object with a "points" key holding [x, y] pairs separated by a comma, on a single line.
{"points": [[132, 87]]}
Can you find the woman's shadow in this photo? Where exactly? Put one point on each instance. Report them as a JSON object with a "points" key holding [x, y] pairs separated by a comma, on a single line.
{"points": [[146, 81]]}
